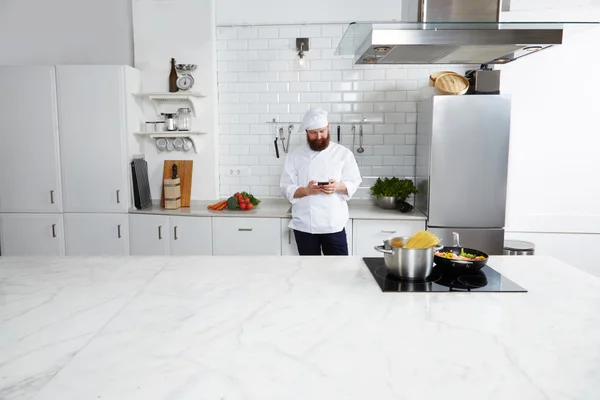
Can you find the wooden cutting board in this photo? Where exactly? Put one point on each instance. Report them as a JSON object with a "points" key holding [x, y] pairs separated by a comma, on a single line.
{"points": [[184, 170]]}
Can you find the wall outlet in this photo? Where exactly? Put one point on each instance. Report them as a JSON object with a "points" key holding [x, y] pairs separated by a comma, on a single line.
{"points": [[237, 171]]}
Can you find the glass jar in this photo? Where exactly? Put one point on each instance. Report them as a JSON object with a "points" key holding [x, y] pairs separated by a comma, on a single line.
{"points": [[184, 119]]}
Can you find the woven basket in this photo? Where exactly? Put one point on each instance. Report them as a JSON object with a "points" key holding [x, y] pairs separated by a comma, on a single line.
{"points": [[436, 75], [451, 84]]}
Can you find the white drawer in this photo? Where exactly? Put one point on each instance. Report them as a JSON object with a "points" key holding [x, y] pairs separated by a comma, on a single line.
{"points": [[370, 233], [246, 236]]}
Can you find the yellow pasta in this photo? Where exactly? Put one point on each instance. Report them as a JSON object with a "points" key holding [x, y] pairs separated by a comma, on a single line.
{"points": [[422, 240]]}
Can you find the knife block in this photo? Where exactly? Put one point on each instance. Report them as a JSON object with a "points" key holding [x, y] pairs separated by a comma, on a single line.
{"points": [[172, 190]]}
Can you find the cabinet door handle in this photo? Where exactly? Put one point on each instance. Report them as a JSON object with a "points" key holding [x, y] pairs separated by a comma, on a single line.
{"points": [[53, 230], [289, 236], [175, 232], [119, 231], [245, 229], [52, 197], [388, 231], [118, 197], [160, 232]]}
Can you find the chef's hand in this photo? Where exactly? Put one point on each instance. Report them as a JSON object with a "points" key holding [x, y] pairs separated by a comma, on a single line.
{"points": [[334, 187], [313, 188]]}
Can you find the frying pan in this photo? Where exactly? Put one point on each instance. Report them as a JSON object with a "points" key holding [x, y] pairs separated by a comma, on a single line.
{"points": [[448, 264]]}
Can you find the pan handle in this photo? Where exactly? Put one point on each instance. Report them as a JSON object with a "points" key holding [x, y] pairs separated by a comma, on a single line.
{"points": [[456, 238], [382, 250]]}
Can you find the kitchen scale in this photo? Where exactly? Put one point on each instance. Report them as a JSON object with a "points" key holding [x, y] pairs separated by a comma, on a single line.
{"points": [[485, 280]]}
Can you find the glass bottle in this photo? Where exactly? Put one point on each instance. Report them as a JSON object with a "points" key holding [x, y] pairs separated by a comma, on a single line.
{"points": [[184, 119]]}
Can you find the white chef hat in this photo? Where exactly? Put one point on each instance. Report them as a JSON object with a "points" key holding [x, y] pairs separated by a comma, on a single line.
{"points": [[315, 118]]}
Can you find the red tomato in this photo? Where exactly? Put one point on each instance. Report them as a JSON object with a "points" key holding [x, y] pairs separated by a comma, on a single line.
{"points": [[243, 206], [250, 206]]}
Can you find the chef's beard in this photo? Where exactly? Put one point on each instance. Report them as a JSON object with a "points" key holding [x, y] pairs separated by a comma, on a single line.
{"points": [[318, 144]]}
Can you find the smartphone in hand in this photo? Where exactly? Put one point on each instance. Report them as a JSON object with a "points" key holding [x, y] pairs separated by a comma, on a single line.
{"points": [[322, 183]]}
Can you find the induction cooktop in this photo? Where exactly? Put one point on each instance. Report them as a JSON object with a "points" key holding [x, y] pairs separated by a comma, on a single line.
{"points": [[485, 280]]}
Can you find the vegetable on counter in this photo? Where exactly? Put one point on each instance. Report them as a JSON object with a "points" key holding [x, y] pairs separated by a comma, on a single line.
{"points": [[239, 201], [218, 206], [393, 187]]}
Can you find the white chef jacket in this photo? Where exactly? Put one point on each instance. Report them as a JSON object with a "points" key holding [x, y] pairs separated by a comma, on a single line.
{"points": [[319, 213]]}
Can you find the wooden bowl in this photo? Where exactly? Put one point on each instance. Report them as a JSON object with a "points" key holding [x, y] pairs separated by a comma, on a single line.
{"points": [[452, 84]]}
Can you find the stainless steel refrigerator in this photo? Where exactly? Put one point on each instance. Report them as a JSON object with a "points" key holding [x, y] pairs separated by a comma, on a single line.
{"points": [[462, 166]]}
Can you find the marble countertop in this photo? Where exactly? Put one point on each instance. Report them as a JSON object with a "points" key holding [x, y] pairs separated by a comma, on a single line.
{"points": [[358, 209], [289, 328]]}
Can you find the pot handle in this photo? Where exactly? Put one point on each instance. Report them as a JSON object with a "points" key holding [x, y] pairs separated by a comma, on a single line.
{"points": [[438, 247], [382, 250]]}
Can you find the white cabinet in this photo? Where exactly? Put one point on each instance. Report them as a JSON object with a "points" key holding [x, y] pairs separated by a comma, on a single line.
{"points": [[288, 240], [31, 235], [148, 234], [190, 236], [93, 136], [246, 236], [371, 233], [96, 234], [29, 155]]}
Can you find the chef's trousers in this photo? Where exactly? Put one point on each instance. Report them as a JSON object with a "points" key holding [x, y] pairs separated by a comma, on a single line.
{"points": [[329, 244]]}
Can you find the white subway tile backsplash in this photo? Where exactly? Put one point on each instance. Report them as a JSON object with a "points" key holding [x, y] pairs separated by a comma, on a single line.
{"points": [[353, 75], [341, 86], [258, 87], [228, 77], [309, 76], [279, 66], [362, 86], [248, 118], [289, 97], [310, 97], [289, 76], [268, 33], [257, 66], [333, 31], [320, 86], [352, 96], [374, 74], [299, 86], [310, 31], [320, 65], [259, 79], [258, 108], [248, 76], [395, 118], [362, 107], [342, 64], [330, 97], [384, 107], [257, 44], [267, 55], [331, 76], [341, 108], [229, 180], [374, 96], [299, 108], [289, 32], [280, 44], [392, 74]]}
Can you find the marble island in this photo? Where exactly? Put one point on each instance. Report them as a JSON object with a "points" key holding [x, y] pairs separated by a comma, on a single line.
{"points": [[289, 328]]}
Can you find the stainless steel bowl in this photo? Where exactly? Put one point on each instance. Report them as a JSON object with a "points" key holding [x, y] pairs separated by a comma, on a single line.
{"points": [[388, 203], [410, 264]]}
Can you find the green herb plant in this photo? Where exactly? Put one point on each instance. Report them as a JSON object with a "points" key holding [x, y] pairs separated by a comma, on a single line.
{"points": [[393, 187]]}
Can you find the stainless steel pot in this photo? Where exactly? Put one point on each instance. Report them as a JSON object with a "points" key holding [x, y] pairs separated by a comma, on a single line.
{"points": [[411, 264], [387, 203]]}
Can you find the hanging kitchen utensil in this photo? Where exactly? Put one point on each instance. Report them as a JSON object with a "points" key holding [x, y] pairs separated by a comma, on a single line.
{"points": [[290, 129], [339, 135], [353, 129], [360, 149], [276, 147]]}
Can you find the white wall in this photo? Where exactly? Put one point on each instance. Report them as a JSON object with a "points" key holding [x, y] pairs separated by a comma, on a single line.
{"points": [[185, 30], [309, 11], [66, 32], [553, 186]]}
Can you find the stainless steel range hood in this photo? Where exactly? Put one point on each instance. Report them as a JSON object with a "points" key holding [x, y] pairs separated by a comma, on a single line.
{"points": [[443, 37]]}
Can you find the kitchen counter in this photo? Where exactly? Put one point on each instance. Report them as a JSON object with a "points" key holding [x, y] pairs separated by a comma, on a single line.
{"points": [[289, 328], [358, 209]]}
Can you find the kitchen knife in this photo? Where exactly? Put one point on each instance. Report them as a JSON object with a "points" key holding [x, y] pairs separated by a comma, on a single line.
{"points": [[276, 148], [174, 168], [339, 134]]}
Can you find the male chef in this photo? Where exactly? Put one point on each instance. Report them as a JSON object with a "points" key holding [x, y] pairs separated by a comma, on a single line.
{"points": [[318, 178]]}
